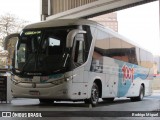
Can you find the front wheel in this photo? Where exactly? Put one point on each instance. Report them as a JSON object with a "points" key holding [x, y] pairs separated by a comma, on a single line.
{"points": [[94, 95]]}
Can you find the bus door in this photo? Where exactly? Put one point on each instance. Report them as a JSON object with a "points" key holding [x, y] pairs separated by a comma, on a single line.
{"points": [[78, 63]]}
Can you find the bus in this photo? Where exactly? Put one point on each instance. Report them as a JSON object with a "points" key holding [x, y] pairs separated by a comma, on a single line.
{"points": [[78, 59]]}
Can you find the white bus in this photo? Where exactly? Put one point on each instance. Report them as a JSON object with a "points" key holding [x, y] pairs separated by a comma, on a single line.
{"points": [[76, 60]]}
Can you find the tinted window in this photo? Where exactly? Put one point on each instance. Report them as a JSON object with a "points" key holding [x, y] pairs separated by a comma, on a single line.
{"points": [[100, 50], [143, 57], [146, 59], [149, 60], [112, 46], [115, 48], [129, 53], [102, 44]]}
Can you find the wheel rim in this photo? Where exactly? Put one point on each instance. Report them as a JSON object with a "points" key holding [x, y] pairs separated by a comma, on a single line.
{"points": [[142, 94], [94, 94]]}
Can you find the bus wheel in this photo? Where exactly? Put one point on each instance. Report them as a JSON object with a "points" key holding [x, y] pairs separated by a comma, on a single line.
{"points": [[94, 95], [47, 101], [141, 95]]}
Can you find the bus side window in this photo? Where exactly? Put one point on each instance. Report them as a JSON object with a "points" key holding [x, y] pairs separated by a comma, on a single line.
{"points": [[115, 48], [129, 53], [143, 57], [100, 51]]}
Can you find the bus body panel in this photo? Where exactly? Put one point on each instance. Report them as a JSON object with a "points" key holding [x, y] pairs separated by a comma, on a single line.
{"points": [[119, 84], [51, 92], [65, 91]]}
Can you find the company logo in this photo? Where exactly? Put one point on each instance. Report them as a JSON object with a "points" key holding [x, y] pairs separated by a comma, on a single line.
{"points": [[128, 73], [6, 114]]}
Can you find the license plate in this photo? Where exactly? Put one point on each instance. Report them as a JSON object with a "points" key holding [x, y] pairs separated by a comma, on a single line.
{"points": [[34, 92]]}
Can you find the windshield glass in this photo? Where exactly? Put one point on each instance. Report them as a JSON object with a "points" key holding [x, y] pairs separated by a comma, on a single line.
{"points": [[42, 50]]}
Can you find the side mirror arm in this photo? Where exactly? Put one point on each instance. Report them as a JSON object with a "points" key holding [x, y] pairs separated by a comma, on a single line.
{"points": [[7, 39], [71, 35]]}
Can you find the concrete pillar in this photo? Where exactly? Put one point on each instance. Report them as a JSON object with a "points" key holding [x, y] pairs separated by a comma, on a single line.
{"points": [[44, 9], [49, 7]]}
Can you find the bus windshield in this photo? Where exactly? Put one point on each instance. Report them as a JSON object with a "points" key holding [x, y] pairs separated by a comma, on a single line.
{"points": [[42, 51]]}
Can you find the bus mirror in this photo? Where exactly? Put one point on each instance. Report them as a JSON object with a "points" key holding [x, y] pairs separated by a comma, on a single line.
{"points": [[9, 38], [71, 35]]}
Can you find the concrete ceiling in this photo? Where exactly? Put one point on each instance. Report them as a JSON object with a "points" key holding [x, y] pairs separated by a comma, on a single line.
{"points": [[88, 10]]}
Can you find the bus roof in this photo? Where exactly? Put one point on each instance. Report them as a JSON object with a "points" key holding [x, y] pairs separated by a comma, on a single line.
{"points": [[60, 22]]}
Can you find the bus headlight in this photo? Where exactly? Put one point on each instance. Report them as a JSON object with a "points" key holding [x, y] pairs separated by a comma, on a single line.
{"points": [[61, 81], [15, 81], [69, 78]]}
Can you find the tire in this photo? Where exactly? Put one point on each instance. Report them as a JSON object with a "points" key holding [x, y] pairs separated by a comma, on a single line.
{"points": [[46, 101], [108, 99], [94, 95], [141, 95]]}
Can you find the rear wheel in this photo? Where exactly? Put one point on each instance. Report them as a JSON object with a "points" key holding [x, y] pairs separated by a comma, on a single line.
{"points": [[94, 95], [141, 95]]}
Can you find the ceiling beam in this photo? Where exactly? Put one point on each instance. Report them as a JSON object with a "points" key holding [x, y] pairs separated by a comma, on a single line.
{"points": [[98, 8]]}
